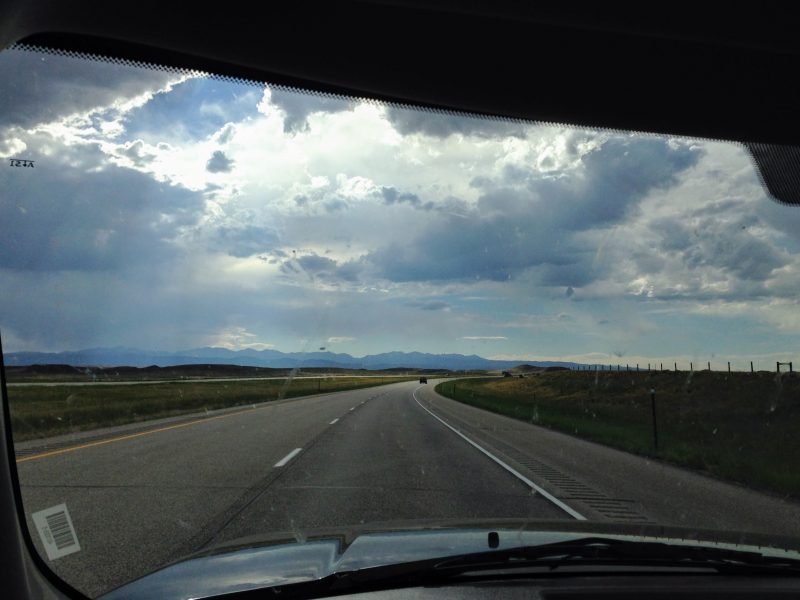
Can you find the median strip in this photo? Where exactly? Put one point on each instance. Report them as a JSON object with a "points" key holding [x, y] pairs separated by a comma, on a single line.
{"points": [[288, 457]]}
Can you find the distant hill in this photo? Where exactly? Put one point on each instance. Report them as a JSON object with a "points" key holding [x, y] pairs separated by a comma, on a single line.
{"points": [[526, 368], [133, 357]]}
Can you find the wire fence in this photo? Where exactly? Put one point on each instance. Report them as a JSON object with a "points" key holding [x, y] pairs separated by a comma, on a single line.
{"points": [[780, 367]]}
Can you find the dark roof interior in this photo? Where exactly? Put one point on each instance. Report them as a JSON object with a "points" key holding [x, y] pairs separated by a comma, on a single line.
{"points": [[727, 72]]}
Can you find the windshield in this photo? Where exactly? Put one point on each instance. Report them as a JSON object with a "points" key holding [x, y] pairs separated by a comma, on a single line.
{"points": [[232, 311]]}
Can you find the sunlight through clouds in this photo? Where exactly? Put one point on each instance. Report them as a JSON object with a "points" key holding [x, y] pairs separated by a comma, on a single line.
{"points": [[253, 217]]}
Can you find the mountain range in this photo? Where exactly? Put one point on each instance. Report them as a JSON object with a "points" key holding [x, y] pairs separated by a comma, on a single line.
{"points": [[132, 357]]}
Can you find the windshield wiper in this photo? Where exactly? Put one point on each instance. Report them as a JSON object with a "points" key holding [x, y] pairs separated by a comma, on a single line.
{"points": [[584, 552], [609, 551]]}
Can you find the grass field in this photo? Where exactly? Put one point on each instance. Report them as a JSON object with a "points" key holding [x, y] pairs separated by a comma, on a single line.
{"points": [[39, 412], [739, 426], [71, 374]]}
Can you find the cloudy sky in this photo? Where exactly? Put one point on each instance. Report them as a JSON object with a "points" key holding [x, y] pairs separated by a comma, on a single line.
{"points": [[171, 210]]}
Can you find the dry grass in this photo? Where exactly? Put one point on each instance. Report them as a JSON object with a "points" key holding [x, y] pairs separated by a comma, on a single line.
{"points": [[739, 426], [38, 412]]}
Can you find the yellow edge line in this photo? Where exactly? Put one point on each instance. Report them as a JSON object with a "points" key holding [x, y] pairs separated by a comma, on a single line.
{"points": [[130, 436]]}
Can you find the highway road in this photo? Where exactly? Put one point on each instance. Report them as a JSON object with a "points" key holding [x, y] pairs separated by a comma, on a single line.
{"points": [[397, 453]]}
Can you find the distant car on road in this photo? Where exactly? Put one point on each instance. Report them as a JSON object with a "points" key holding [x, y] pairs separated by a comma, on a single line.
{"points": [[423, 380]]}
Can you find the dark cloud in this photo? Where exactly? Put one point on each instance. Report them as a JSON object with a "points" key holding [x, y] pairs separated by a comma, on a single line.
{"points": [[741, 254], [456, 248], [273, 257], [56, 86], [647, 261], [512, 174], [390, 196], [719, 208], [335, 204], [781, 217], [532, 225], [441, 125], [219, 163], [211, 189], [244, 241], [430, 305], [350, 271], [616, 176], [136, 153], [317, 264], [574, 269], [721, 244], [298, 106], [72, 213], [324, 268], [673, 233]]}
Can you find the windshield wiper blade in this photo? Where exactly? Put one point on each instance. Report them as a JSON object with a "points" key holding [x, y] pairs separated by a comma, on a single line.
{"points": [[589, 552], [600, 550], [583, 552]]}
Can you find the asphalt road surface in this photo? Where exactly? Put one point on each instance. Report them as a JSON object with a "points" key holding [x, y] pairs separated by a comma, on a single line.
{"points": [[396, 454]]}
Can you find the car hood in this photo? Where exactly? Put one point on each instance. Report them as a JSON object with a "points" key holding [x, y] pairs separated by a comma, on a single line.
{"points": [[259, 562]]}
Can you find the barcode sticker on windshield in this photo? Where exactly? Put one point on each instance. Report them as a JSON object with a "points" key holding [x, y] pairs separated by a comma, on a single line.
{"points": [[56, 531]]}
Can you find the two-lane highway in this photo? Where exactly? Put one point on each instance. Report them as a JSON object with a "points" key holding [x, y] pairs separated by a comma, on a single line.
{"points": [[392, 454], [339, 459], [388, 461]]}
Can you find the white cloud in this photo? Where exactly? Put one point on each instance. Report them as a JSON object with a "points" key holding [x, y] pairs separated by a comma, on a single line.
{"points": [[12, 147], [237, 338]]}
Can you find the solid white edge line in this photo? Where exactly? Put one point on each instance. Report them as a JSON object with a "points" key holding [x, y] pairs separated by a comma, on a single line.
{"points": [[334, 421], [567, 509], [288, 457]]}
